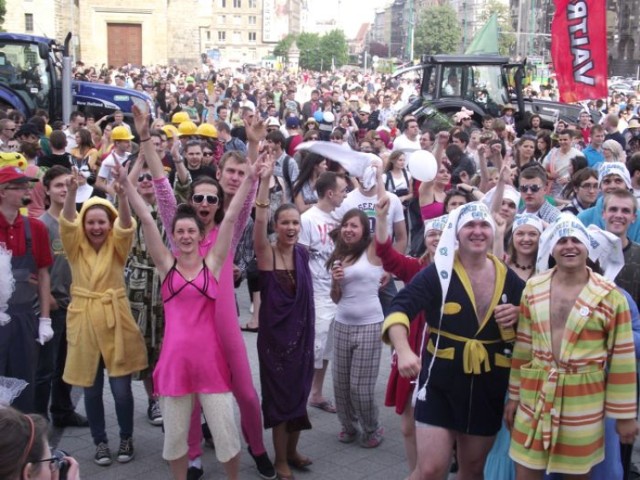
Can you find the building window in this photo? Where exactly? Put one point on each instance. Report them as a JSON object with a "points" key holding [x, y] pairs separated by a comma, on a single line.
{"points": [[222, 19], [222, 36], [237, 37], [237, 3], [223, 3], [253, 20], [237, 20], [252, 36], [253, 3], [208, 34], [28, 22]]}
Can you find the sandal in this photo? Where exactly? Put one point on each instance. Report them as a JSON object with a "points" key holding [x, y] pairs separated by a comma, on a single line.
{"points": [[300, 463], [326, 405]]}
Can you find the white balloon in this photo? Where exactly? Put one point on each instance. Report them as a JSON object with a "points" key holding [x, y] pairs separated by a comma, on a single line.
{"points": [[422, 165], [329, 117]]}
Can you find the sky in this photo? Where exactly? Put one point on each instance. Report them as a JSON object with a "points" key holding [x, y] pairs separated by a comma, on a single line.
{"points": [[349, 14]]}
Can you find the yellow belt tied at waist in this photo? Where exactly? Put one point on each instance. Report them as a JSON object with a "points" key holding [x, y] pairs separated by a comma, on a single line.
{"points": [[109, 298], [474, 355]]}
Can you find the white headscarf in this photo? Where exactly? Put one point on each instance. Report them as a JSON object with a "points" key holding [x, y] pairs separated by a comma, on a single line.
{"points": [[529, 219], [437, 223], [604, 247], [614, 168], [510, 193]]}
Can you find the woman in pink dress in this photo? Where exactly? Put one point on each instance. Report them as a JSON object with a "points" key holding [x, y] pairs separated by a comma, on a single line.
{"points": [[192, 362]]}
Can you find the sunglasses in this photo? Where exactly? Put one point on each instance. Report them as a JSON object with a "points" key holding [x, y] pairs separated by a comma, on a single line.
{"points": [[207, 154], [198, 199], [530, 188], [145, 176]]}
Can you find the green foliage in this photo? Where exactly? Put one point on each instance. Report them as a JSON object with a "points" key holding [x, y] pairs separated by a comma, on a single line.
{"points": [[316, 52], [283, 46], [437, 31], [3, 12], [507, 38]]}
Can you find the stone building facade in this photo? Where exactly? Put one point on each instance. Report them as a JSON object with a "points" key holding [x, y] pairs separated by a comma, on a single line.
{"points": [[152, 32]]}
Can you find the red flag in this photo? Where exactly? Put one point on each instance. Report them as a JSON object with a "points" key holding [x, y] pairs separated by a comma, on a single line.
{"points": [[579, 49]]}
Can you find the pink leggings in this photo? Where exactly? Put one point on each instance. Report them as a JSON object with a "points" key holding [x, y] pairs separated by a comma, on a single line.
{"points": [[243, 391]]}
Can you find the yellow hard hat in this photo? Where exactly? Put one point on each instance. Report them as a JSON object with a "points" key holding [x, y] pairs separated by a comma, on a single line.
{"points": [[170, 131], [47, 130], [207, 130], [187, 128], [179, 117], [120, 133]]}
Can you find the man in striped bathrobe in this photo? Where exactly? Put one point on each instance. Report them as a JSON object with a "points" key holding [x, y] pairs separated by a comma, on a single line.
{"points": [[573, 362]]}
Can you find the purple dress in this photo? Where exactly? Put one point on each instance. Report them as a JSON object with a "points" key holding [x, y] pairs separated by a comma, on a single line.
{"points": [[285, 343]]}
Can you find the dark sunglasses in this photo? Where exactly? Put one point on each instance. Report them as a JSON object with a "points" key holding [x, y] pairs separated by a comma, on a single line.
{"points": [[207, 154], [145, 176], [198, 199], [530, 188]]}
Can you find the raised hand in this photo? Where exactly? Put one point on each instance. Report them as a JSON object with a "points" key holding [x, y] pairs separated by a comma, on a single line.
{"points": [[256, 129], [72, 180], [141, 121], [120, 174], [382, 207]]}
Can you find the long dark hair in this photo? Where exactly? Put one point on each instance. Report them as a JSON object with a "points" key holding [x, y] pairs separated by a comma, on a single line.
{"points": [[308, 163], [348, 253], [207, 180]]}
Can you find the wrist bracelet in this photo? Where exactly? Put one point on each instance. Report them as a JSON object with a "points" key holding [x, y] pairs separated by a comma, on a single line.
{"points": [[145, 140], [262, 205]]}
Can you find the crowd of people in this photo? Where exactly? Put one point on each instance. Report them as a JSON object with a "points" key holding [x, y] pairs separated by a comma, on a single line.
{"points": [[514, 338]]}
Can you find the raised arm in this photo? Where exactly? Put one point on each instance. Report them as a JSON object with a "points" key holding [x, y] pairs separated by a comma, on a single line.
{"points": [[498, 195], [69, 208], [260, 238], [162, 258], [382, 213], [484, 168], [218, 254], [154, 162]]}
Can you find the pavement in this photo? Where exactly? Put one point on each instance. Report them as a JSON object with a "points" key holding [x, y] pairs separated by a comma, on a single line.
{"points": [[331, 459]]}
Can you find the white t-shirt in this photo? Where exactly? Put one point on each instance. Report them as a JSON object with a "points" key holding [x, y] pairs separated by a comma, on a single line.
{"points": [[315, 226], [355, 199], [404, 144], [106, 168]]}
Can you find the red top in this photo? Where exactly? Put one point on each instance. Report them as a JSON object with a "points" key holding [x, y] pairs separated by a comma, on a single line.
{"points": [[13, 238]]}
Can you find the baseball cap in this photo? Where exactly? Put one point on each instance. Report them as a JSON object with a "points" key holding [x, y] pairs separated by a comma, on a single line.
{"points": [[14, 175], [293, 122]]}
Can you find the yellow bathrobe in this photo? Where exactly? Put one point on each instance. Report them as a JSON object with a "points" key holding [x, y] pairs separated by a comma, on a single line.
{"points": [[99, 321]]}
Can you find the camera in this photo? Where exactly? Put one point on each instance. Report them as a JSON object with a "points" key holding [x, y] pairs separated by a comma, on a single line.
{"points": [[63, 463]]}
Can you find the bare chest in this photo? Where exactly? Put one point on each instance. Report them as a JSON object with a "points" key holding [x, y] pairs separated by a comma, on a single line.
{"points": [[483, 285]]}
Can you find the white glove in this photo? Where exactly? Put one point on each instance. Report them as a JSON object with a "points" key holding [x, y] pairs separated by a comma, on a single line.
{"points": [[45, 332]]}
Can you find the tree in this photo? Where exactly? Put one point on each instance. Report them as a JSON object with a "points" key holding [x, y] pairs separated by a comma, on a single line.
{"points": [[283, 46], [333, 46], [437, 31], [507, 38], [3, 12], [316, 52]]}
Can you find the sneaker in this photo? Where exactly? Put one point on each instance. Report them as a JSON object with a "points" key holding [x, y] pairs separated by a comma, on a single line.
{"points": [[195, 473], [347, 437], [374, 439], [125, 452], [264, 466], [103, 454], [154, 414]]}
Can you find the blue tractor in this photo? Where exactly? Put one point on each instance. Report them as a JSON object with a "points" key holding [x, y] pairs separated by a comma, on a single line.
{"points": [[35, 72]]}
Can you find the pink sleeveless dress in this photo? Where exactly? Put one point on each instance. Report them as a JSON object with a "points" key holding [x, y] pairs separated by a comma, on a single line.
{"points": [[191, 360]]}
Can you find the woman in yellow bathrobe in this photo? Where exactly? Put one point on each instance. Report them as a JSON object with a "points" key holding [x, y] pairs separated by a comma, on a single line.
{"points": [[101, 332]]}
